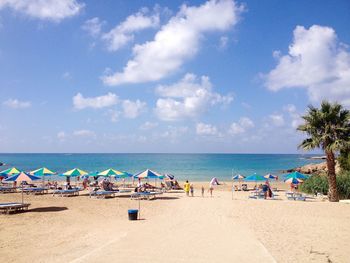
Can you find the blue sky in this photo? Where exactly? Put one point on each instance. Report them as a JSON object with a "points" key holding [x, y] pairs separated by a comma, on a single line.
{"points": [[167, 76]]}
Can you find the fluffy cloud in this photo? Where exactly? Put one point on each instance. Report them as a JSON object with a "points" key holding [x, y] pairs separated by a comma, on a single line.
{"points": [[176, 42], [316, 61], [53, 10], [206, 129], [132, 109], [277, 119], [93, 26], [187, 98], [124, 32], [17, 104], [108, 100], [242, 126], [174, 133], [294, 115]]}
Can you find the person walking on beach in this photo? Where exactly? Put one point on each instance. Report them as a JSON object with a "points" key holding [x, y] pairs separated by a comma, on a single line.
{"points": [[187, 188], [211, 188], [202, 191], [191, 190]]}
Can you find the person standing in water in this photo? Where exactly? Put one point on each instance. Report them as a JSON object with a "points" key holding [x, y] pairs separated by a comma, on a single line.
{"points": [[187, 188]]}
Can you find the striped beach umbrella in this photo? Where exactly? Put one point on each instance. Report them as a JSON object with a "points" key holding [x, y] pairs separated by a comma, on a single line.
{"points": [[74, 173], [293, 180], [270, 176], [296, 175], [110, 172], [42, 172], [238, 177], [22, 177], [9, 172], [148, 174], [123, 175]]}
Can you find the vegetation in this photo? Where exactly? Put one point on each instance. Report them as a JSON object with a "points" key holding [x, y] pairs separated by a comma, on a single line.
{"points": [[344, 159], [327, 128], [319, 184]]}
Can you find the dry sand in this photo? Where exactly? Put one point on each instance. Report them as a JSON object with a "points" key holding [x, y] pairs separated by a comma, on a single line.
{"points": [[175, 228]]}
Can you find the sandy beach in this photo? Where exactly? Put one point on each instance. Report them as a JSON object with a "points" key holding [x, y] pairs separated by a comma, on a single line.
{"points": [[175, 228]]}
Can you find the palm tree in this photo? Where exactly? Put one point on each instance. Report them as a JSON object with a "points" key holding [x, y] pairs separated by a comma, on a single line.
{"points": [[328, 128]]}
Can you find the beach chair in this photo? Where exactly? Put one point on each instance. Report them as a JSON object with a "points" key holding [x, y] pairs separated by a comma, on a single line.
{"points": [[257, 195], [35, 190], [13, 207], [7, 189], [102, 194], [67, 193]]}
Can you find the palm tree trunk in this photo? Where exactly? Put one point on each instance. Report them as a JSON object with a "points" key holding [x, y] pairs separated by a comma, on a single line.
{"points": [[332, 180]]}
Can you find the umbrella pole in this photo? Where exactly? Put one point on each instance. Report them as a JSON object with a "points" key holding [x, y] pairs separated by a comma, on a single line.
{"points": [[22, 193], [139, 208]]}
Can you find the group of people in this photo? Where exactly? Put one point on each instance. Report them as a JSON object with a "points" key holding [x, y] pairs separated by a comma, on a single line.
{"points": [[189, 188], [266, 189]]}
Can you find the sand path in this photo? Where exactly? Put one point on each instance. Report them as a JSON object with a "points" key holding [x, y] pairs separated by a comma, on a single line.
{"points": [[198, 232]]}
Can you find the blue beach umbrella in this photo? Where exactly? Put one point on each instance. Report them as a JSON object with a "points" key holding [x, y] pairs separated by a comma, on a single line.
{"points": [[254, 178], [293, 180], [148, 174], [296, 175], [123, 175]]}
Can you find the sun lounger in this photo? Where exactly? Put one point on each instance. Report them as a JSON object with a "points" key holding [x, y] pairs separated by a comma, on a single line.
{"points": [[295, 196], [35, 190], [69, 192], [13, 207], [257, 195], [7, 189], [145, 195], [102, 193]]}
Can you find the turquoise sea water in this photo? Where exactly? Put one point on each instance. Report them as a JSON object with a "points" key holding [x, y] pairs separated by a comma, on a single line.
{"points": [[195, 167]]}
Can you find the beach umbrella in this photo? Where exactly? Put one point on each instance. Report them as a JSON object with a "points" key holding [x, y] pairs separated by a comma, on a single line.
{"points": [[169, 176], [270, 176], [10, 171], [254, 178], [293, 180], [148, 174], [109, 172], [296, 175], [42, 172], [74, 173], [238, 177], [22, 177]]}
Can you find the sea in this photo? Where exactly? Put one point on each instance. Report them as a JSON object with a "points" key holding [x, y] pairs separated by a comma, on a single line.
{"points": [[194, 167]]}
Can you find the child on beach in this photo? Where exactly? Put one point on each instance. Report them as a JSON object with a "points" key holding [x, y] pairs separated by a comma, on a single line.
{"points": [[191, 190], [202, 191], [187, 188]]}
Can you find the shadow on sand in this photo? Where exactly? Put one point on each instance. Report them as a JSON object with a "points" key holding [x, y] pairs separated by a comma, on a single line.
{"points": [[48, 209]]}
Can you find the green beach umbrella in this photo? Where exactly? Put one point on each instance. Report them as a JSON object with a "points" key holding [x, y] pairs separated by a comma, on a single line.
{"points": [[296, 175], [42, 172], [10, 171], [109, 172], [74, 173]]}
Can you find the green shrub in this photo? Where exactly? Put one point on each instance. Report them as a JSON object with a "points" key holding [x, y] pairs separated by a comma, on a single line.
{"points": [[319, 184]]}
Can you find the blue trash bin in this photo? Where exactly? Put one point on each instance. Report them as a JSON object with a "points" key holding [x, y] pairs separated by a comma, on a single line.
{"points": [[133, 214]]}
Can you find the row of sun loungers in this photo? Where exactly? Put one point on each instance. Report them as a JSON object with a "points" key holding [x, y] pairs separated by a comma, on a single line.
{"points": [[68, 192], [295, 196]]}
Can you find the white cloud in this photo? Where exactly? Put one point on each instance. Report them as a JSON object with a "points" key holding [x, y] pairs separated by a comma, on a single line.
{"points": [[93, 26], [54, 10], [17, 104], [296, 119], [67, 75], [174, 133], [176, 42], [206, 129], [316, 61], [148, 125], [242, 126], [187, 98], [277, 119], [132, 109], [108, 100], [124, 32], [84, 133]]}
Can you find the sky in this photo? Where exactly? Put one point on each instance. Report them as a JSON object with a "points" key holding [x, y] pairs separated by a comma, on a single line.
{"points": [[211, 76]]}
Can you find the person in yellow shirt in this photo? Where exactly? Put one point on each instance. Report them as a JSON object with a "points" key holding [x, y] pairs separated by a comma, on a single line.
{"points": [[187, 188]]}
